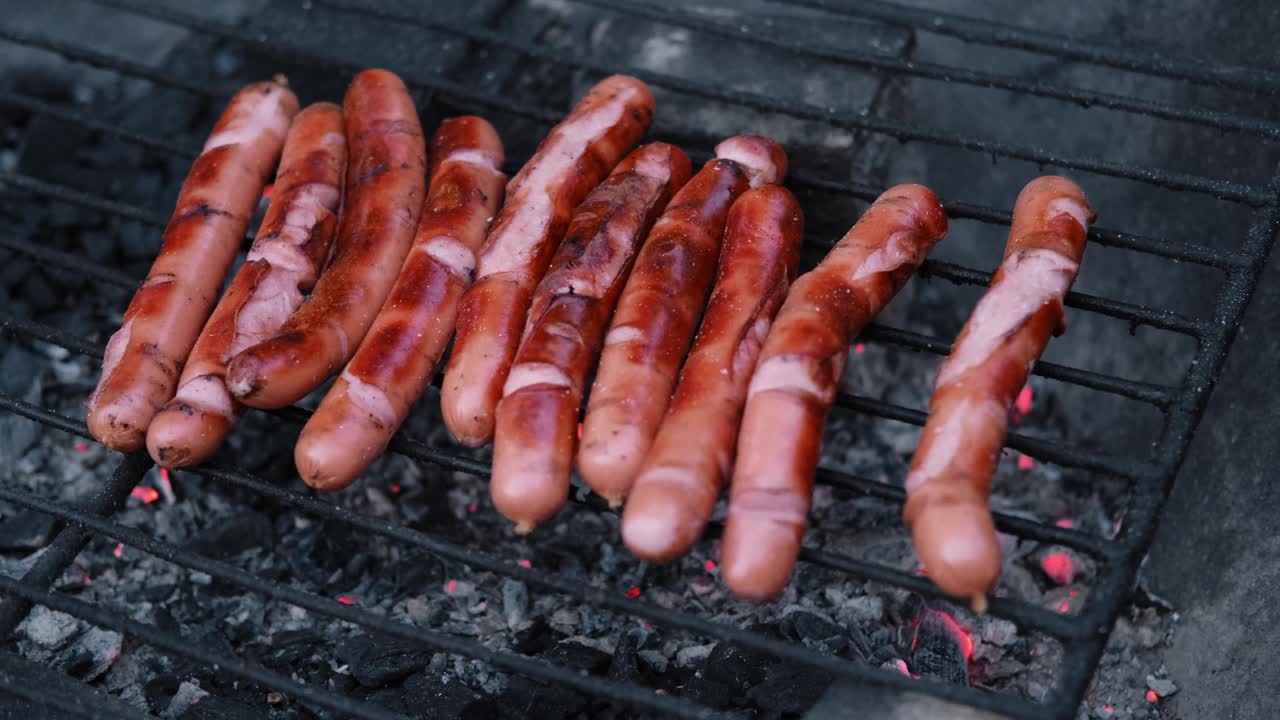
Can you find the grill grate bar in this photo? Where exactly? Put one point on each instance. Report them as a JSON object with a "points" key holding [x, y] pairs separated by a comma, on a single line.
{"points": [[998, 34], [1222, 189], [47, 688], [959, 274], [946, 73], [33, 105], [152, 635]]}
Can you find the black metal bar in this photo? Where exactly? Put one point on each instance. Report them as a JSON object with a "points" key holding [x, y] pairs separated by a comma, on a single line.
{"points": [[58, 258], [152, 635], [21, 327], [998, 34], [59, 555], [945, 73], [1157, 395], [50, 689], [62, 193]]}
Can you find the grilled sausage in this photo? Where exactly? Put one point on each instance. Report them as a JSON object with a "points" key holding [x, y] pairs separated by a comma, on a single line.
{"points": [[537, 419], [144, 357], [658, 312], [393, 365], [951, 472], [795, 383], [576, 155], [692, 454], [386, 182], [291, 246]]}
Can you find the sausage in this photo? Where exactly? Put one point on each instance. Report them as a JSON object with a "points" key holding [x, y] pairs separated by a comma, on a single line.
{"points": [[658, 312], [690, 460], [952, 469], [537, 419], [575, 156], [795, 382], [385, 185], [287, 254], [144, 357], [394, 362]]}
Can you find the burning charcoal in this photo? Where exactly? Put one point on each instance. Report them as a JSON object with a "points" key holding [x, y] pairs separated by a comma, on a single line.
{"points": [[940, 648], [243, 531], [788, 690], [375, 661], [29, 530], [93, 654], [1162, 686], [161, 690], [48, 628]]}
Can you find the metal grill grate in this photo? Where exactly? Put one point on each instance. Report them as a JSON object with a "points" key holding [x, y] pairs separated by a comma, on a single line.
{"points": [[1150, 477]]}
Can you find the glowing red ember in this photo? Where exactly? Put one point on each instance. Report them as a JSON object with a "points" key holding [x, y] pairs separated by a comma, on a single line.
{"points": [[1025, 462], [395, 489], [710, 565], [1059, 567], [1152, 696], [1065, 523], [524, 563], [119, 551], [1023, 403], [347, 600], [82, 447], [147, 495], [957, 633], [633, 593], [451, 586], [266, 191], [859, 349]]}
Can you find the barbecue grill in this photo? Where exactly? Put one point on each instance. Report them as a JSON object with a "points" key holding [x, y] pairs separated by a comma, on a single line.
{"points": [[1147, 474]]}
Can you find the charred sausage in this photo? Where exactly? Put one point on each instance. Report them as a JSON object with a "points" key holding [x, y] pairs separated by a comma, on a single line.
{"points": [[692, 454], [393, 365], [576, 155], [795, 383], [385, 185], [658, 312], [952, 469], [145, 356], [537, 419], [291, 246]]}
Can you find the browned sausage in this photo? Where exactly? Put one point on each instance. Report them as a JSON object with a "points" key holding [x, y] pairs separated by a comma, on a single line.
{"points": [[291, 246], [576, 155], [386, 182], [145, 356], [691, 457], [537, 419], [658, 312], [393, 365], [951, 472], [796, 378]]}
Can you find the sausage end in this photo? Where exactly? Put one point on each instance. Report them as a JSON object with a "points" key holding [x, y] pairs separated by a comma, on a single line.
{"points": [[955, 537]]}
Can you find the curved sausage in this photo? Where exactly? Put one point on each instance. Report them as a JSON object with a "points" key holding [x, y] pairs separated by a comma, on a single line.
{"points": [[658, 312], [691, 457], [386, 181], [796, 378], [144, 357], [292, 245], [393, 365], [951, 471], [537, 419], [575, 156]]}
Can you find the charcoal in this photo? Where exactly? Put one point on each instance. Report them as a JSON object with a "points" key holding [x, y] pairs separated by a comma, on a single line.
{"points": [[427, 697], [736, 667], [242, 532], [515, 603], [936, 650], [49, 628], [578, 656], [535, 639], [160, 691], [375, 661], [788, 689], [534, 700], [213, 707], [27, 530]]}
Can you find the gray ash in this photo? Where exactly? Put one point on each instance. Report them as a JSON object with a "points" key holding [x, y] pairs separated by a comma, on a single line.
{"points": [[828, 611]]}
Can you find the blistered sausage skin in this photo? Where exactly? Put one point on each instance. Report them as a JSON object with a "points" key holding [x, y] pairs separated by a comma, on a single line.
{"points": [[692, 455], [575, 156], [537, 419], [144, 358], [659, 310], [385, 186], [796, 378], [951, 471], [394, 362], [287, 254]]}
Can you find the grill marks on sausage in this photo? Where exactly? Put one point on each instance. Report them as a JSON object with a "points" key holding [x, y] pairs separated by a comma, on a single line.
{"points": [[953, 466], [282, 264], [393, 363], [796, 380], [165, 317], [572, 160]]}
